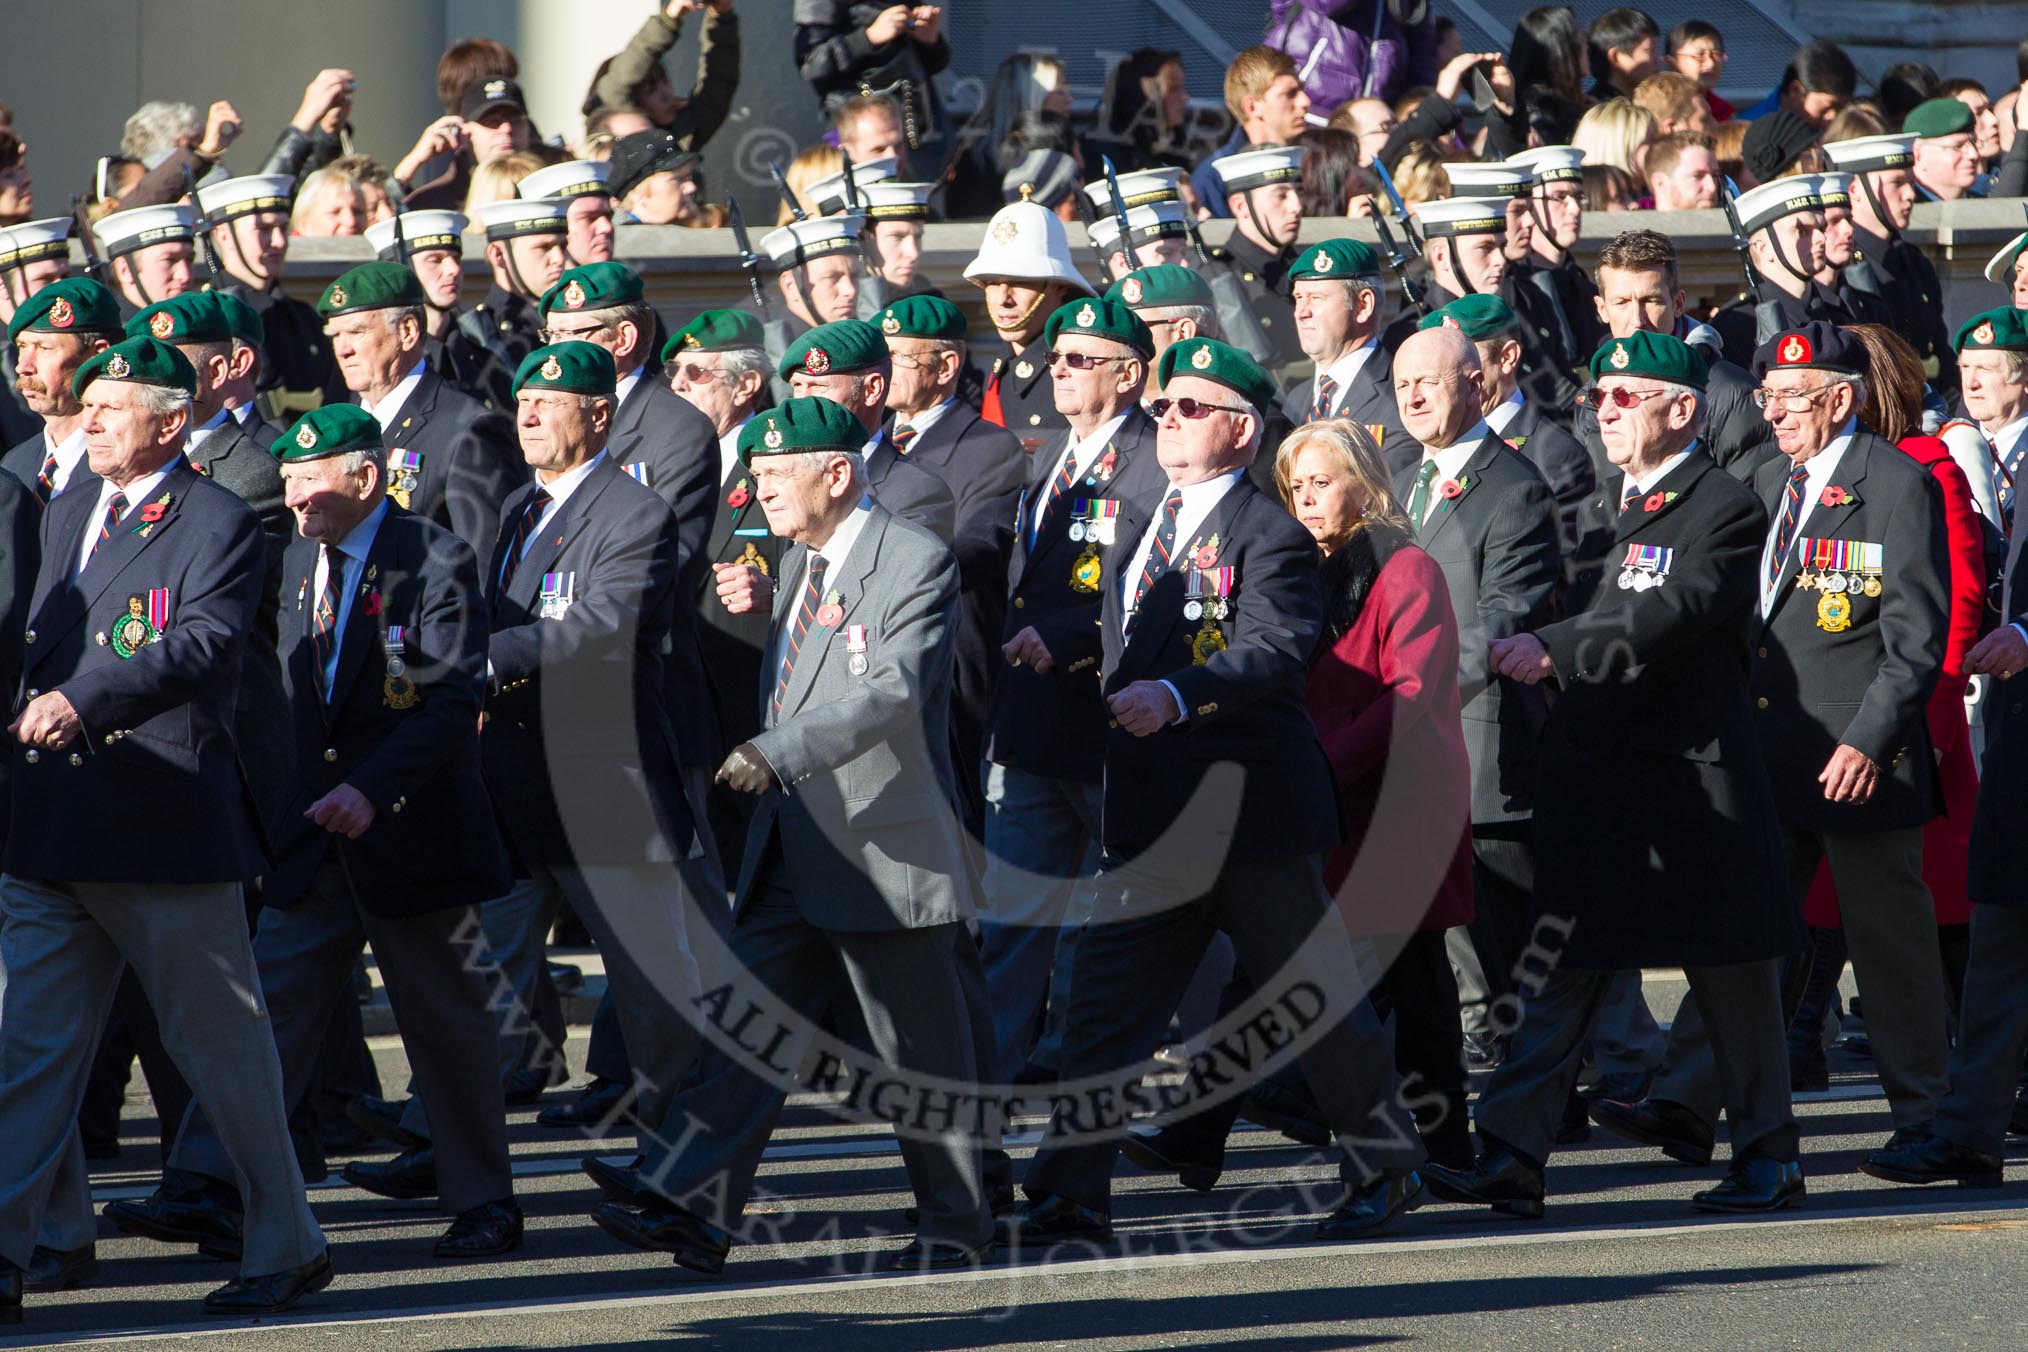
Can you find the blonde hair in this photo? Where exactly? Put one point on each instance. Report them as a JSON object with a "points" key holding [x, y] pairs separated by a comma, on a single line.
{"points": [[1614, 133], [813, 165], [1670, 97], [1419, 175], [312, 191], [495, 180], [1358, 456]]}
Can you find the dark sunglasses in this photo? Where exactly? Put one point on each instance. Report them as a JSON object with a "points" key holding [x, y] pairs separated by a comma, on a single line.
{"points": [[1077, 361], [1189, 408]]}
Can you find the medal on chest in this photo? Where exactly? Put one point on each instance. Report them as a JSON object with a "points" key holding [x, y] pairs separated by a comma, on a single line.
{"points": [[143, 623], [752, 559], [855, 648], [404, 476], [1095, 523], [1208, 597], [558, 591], [397, 690]]}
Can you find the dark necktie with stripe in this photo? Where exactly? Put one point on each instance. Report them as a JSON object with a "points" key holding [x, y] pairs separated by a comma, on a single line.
{"points": [[800, 624], [1327, 393], [45, 479], [1058, 486], [116, 508], [1628, 494], [1785, 528], [903, 435], [1159, 556], [324, 618], [524, 530]]}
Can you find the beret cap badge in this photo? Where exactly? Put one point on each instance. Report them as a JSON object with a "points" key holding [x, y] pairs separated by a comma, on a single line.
{"points": [[338, 297], [306, 436], [816, 361], [889, 324], [1983, 333], [1323, 262], [573, 294], [163, 324], [1086, 317], [1620, 359], [552, 369], [1130, 291], [117, 368], [1201, 359], [61, 315], [773, 437], [1796, 348]]}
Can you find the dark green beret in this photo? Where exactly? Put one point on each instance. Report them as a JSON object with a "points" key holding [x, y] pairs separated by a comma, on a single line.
{"points": [[1937, 117], [1213, 360], [1477, 317], [595, 286], [1163, 284], [141, 361], [193, 317], [924, 317], [72, 305], [1659, 356], [846, 345], [2001, 330], [574, 367], [331, 430], [1336, 260], [810, 423], [1098, 318], [716, 331], [242, 320], [371, 286]]}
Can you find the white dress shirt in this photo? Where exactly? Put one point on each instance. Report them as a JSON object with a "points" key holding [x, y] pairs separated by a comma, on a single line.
{"points": [[1199, 501], [1450, 463], [1345, 370], [1081, 455], [928, 418], [383, 411], [1505, 412], [1822, 468], [833, 552], [70, 453], [352, 552], [1646, 484], [137, 493], [199, 435]]}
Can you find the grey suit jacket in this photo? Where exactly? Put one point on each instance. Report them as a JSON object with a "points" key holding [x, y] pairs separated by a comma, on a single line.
{"points": [[870, 838]]}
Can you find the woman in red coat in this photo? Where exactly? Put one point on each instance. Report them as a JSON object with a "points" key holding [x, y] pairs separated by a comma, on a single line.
{"points": [[1383, 692], [1893, 409]]}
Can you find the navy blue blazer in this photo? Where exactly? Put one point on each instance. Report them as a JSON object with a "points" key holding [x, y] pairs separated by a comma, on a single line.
{"points": [[581, 703], [471, 460], [1056, 724], [1243, 708], [152, 791], [412, 749]]}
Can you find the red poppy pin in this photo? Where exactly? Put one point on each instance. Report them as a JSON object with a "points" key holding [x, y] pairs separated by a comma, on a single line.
{"points": [[1453, 488], [373, 603], [1108, 462], [738, 497], [1834, 496], [154, 511], [1654, 502], [1205, 556]]}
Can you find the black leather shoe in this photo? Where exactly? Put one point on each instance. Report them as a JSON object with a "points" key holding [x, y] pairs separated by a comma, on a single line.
{"points": [[179, 1218], [1754, 1183], [61, 1269], [1368, 1208], [1280, 1108], [1164, 1152], [1680, 1133], [10, 1293], [1932, 1159], [483, 1231], [530, 1083], [381, 1120], [567, 977], [1501, 1180], [1050, 1219], [593, 1107], [1628, 1086], [270, 1293], [619, 1182], [667, 1228], [939, 1256], [1000, 1201], [408, 1176]]}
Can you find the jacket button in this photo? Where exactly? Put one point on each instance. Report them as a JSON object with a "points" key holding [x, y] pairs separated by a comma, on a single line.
{"points": [[112, 737], [331, 752], [100, 638], [30, 636], [394, 807], [1763, 652], [33, 692], [76, 759], [1761, 703], [1035, 420], [1020, 602], [33, 756]]}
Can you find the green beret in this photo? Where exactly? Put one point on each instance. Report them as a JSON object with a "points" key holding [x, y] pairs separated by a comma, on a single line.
{"points": [[716, 331], [846, 345], [331, 430], [574, 367], [2001, 330], [1659, 356], [371, 286], [72, 305], [1336, 260], [1161, 285], [1937, 117], [1096, 318], [806, 424], [1213, 360], [141, 361], [924, 317], [242, 320], [1477, 317], [193, 317], [595, 286]]}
